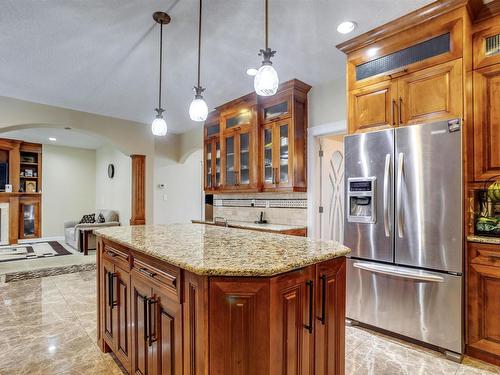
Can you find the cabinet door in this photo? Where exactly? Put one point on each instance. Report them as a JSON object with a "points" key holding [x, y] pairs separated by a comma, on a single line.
{"points": [[484, 309], [167, 335], [373, 107], [229, 179], [217, 171], [245, 159], [121, 317], [29, 219], [142, 357], [108, 279], [284, 158], [209, 183], [292, 350], [486, 122], [431, 94], [330, 312]]}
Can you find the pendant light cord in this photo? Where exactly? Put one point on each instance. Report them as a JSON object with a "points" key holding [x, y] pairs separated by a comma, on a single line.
{"points": [[161, 56], [199, 43], [267, 23]]}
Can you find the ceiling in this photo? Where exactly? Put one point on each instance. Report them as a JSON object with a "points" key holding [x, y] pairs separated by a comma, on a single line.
{"points": [[69, 138], [101, 56]]}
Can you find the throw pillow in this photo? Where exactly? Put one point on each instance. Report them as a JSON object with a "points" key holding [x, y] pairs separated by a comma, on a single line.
{"points": [[88, 219], [100, 218]]}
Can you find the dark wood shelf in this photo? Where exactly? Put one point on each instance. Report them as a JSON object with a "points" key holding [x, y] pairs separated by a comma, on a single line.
{"points": [[29, 163]]}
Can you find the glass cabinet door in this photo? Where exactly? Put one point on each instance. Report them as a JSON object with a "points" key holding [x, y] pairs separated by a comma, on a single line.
{"points": [[242, 118], [244, 159], [268, 155], [283, 153], [276, 111], [217, 164], [208, 165], [230, 161]]}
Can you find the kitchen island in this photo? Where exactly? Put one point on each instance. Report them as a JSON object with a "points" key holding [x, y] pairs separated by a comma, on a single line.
{"points": [[202, 299]]}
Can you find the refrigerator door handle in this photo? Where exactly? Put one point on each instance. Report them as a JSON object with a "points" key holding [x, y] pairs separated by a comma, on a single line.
{"points": [[395, 271], [387, 170], [398, 196]]}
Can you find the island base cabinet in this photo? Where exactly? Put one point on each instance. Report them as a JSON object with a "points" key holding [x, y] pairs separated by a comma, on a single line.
{"points": [[159, 319]]}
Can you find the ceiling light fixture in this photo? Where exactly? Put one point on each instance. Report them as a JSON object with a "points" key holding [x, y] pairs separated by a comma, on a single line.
{"points": [[159, 125], [252, 72], [198, 110], [52, 139], [346, 27], [266, 80]]}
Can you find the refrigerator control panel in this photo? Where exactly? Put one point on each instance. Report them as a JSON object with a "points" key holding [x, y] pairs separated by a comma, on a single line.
{"points": [[361, 195]]}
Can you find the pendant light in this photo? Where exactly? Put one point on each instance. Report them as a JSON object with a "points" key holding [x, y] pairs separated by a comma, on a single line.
{"points": [[159, 125], [198, 110], [266, 80]]}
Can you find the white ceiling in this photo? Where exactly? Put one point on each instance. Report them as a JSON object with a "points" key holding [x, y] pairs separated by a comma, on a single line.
{"points": [[101, 56], [69, 138]]}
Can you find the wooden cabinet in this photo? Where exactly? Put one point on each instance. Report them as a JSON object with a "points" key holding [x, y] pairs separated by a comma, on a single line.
{"points": [[212, 157], [283, 134], [293, 323], [486, 156], [260, 144], [238, 148], [483, 292], [431, 94], [159, 319], [373, 107], [116, 309], [29, 217], [427, 95], [330, 312]]}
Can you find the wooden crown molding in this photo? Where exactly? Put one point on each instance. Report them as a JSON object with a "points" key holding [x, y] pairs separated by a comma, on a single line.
{"points": [[424, 14]]}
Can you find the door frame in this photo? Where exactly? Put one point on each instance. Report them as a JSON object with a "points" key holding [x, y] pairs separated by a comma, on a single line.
{"points": [[314, 133]]}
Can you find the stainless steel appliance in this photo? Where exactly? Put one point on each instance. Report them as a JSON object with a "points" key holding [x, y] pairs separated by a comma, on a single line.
{"points": [[404, 226]]}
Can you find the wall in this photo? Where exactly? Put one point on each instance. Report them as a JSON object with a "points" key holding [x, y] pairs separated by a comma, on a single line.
{"points": [[113, 193], [68, 186], [181, 199], [327, 103]]}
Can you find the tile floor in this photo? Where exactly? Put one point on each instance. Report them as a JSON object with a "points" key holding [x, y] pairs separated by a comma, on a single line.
{"points": [[47, 326]]}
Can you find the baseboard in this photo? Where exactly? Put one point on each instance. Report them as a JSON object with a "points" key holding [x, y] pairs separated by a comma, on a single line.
{"points": [[43, 239]]}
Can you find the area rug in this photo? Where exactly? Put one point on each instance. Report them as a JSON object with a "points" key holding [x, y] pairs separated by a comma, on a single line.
{"points": [[45, 272], [34, 250]]}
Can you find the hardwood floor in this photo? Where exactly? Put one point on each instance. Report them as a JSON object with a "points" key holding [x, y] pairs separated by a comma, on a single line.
{"points": [[48, 326]]}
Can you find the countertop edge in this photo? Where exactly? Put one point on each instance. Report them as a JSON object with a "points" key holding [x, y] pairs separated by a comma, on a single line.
{"points": [[220, 273], [484, 239]]}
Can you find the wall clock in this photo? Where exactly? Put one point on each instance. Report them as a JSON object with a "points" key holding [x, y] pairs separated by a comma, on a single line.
{"points": [[111, 171]]}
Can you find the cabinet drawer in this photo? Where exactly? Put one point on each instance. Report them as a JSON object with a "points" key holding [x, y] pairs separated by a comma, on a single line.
{"points": [[486, 254], [117, 257], [168, 276]]}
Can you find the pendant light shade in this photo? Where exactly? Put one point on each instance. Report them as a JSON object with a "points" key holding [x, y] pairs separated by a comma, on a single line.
{"points": [[159, 125], [266, 81], [198, 110]]}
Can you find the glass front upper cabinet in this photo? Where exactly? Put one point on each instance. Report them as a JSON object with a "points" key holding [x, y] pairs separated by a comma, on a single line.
{"points": [[217, 164], [230, 161], [243, 117], [208, 165], [268, 155], [283, 153], [244, 170], [212, 130]]}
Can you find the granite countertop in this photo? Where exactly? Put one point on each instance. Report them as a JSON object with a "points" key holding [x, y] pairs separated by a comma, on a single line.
{"points": [[249, 225], [484, 239], [220, 251]]}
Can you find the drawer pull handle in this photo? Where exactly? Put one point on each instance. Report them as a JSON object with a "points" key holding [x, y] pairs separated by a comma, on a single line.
{"points": [[111, 254], [147, 272]]}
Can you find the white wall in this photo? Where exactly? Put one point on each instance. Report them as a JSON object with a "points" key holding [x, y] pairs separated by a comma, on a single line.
{"points": [[183, 190], [113, 193], [68, 186], [327, 103]]}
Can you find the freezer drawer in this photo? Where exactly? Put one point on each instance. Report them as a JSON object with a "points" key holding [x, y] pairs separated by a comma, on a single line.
{"points": [[425, 306]]}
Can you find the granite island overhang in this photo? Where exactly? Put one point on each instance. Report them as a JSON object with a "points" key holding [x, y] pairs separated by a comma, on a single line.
{"points": [[200, 299]]}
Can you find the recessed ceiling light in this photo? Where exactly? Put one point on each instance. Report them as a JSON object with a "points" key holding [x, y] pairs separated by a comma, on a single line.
{"points": [[52, 139], [346, 27], [251, 71]]}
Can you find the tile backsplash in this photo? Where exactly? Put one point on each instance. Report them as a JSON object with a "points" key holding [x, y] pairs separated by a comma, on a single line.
{"points": [[282, 208]]}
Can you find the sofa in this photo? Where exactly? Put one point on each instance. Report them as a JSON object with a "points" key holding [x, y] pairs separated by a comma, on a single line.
{"points": [[72, 228]]}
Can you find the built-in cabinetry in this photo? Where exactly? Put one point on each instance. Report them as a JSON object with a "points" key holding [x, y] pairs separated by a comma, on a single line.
{"points": [[159, 319], [21, 168], [440, 62], [483, 305], [256, 143]]}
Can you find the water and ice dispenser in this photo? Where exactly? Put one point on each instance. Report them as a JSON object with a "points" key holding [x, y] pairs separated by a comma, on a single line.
{"points": [[361, 195]]}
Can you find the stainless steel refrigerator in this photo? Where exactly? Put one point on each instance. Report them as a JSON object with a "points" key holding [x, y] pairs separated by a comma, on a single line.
{"points": [[404, 225]]}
